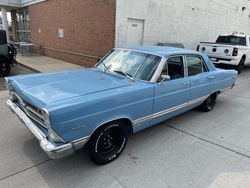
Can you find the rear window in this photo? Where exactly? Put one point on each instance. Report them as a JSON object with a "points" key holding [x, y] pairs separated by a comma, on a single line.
{"points": [[232, 40]]}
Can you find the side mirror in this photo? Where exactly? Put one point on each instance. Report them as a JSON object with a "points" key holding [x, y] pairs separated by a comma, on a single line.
{"points": [[164, 78]]}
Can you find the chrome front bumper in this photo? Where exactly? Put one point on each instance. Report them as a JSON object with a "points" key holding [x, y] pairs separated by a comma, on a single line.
{"points": [[52, 150]]}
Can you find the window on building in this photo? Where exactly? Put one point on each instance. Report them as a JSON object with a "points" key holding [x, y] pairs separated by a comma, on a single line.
{"points": [[195, 65], [23, 25]]}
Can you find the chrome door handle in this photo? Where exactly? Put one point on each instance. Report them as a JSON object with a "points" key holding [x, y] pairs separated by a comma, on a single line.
{"points": [[186, 83], [210, 77]]}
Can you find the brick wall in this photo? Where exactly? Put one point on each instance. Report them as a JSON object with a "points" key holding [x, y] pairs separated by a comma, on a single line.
{"points": [[89, 28]]}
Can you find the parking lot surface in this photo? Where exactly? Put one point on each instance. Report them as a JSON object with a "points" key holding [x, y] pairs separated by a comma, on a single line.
{"points": [[192, 150]]}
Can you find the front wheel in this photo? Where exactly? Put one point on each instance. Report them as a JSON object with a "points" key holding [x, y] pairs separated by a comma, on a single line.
{"points": [[108, 142], [4, 67], [209, 103]]}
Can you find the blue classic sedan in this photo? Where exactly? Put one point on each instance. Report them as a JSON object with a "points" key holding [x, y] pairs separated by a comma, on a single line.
{"points": [[129, 90]]}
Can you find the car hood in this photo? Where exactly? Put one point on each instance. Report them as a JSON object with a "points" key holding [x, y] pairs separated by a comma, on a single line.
{"points": [[53, 87]]}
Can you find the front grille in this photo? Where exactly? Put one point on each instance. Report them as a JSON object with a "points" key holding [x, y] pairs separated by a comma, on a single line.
{"points": [[32, 111]]}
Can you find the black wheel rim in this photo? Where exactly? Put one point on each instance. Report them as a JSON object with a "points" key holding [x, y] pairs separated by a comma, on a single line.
{"points": [[109, 141], [210, 103]]}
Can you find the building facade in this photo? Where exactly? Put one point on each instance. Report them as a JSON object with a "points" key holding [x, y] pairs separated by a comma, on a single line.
{"points": [[187, 22], [80, 31]]}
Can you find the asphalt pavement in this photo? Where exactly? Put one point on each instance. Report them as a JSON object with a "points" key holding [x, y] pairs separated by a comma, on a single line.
{"points": [[195, 150]]}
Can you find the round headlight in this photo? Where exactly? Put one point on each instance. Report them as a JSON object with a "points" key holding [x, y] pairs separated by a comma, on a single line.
{"points": [[203, 49]]}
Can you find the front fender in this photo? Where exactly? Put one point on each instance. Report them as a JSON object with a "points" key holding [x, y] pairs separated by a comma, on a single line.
{"points": [[80, 117]]}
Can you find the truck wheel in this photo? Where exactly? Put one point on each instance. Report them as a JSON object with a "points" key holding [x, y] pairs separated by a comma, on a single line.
{"points": [[4, 67], [209, 103], [108, 142], [241, 65]]}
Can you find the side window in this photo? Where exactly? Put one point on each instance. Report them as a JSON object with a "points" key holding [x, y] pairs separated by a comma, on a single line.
{"points": [[175, 67], [195, 65]]}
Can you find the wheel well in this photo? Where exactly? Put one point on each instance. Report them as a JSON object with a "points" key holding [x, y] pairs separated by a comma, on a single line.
{"points": [[215, 94], [124, 120], [243, 58], [129, 123]]}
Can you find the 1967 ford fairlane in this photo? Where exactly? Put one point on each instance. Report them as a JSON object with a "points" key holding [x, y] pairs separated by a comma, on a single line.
{"points": [[129, 90]]}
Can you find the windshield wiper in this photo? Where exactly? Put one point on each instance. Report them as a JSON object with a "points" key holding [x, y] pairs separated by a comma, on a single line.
{"points": [[125, 74]]}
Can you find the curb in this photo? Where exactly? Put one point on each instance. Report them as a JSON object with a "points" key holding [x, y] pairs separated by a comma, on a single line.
{"points": [[27, 67]]}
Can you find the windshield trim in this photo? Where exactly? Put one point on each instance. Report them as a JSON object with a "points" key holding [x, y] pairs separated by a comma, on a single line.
{"points": [[153, 78]]}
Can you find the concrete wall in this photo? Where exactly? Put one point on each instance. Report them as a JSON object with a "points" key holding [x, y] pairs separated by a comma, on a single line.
{"points": [[188, 22], [89, 28], [15, 3], [30, 2], [18, 3]]}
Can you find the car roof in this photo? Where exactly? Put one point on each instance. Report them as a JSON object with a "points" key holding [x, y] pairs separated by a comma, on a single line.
{"points": [[236, 35], [160, 50]]}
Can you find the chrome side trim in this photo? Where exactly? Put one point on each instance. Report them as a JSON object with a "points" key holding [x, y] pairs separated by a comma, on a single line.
{"points": [[52, 150], [80, 141], [170, 110], [226, 89]]}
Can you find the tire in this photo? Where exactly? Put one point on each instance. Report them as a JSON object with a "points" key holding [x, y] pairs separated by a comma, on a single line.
{"points": [[4, 67], [241, 65], [108, 142], [209, 103]]}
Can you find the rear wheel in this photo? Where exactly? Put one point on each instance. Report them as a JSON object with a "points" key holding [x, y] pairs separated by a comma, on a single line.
{"points": [[209, 103], [4, 67], [241, 65], [108, 142]]}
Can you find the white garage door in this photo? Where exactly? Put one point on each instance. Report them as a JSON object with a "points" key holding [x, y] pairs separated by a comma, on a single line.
{"points": [[135, 32]]}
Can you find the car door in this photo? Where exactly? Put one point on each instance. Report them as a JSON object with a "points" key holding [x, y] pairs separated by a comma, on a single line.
{"points": [[202, 81], [171, 95]]}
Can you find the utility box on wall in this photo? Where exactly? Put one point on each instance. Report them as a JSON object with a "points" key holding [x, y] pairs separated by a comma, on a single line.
{"points": [[60, 33]]}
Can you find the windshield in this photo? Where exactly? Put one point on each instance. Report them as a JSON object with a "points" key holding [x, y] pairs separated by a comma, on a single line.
{"points": [[137, 65], [233, 40]]}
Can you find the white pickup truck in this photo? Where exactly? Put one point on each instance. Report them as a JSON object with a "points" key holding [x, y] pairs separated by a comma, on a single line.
{"points": [[228, 49]]}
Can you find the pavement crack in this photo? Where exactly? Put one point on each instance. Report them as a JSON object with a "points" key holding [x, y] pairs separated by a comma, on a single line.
{"points": [[223, 146], [28, 168]]}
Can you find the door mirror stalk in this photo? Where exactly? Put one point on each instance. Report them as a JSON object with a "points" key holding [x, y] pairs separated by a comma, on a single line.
{"points": [[164, 78]]}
